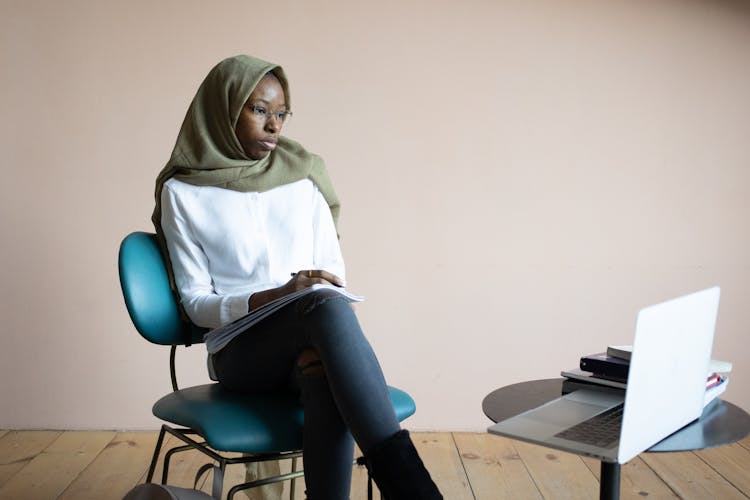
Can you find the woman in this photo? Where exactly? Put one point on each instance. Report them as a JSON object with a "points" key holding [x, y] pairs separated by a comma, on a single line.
{"points": [[240, 208]]}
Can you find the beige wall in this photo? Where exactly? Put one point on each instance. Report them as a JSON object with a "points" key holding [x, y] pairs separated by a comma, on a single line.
{"points": [[517, 177]]}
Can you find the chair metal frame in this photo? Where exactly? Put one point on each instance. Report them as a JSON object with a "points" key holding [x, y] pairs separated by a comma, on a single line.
{"points": [[183, 434], [194, 335], [146, 242]]}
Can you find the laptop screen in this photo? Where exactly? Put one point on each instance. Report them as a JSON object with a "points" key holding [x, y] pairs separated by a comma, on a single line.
{"points": [[668, 369]]}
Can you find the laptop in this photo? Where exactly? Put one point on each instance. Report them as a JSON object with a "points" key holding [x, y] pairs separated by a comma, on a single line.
{"points": [[665, 389]]}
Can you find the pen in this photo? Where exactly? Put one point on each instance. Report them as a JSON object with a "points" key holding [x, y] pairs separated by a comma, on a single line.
{"points": [[309, 274]]}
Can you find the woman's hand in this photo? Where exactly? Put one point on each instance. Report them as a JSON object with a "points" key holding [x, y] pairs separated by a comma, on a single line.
{"points": [[300, 280], [304, 279]]}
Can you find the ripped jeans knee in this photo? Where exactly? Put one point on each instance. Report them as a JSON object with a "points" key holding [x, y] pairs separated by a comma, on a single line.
{"points": [[309, 364]]}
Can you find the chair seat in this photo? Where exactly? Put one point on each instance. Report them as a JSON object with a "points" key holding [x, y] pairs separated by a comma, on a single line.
{"points": [[250, 424]]}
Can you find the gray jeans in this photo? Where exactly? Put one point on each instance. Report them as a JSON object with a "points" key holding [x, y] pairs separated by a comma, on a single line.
{"points": [[348, 399]]}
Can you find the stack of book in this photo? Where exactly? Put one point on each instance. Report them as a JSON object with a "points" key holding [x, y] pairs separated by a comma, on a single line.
{"points": [[608, 371]]}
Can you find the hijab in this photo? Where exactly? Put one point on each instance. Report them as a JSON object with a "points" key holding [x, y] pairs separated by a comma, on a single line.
{"points": [[208, 153]]}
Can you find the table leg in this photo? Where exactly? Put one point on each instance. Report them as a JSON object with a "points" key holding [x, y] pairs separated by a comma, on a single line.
{"points": [[609, 481]]}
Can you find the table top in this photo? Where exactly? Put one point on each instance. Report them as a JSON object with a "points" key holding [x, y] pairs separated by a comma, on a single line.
{"points": [[721, 423]]}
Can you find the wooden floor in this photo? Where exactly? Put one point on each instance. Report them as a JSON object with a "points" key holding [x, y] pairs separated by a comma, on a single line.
{"points": [[104, 465]]}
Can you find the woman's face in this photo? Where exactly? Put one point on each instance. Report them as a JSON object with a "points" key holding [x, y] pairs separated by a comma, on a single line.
{"points": [[261, 118]]}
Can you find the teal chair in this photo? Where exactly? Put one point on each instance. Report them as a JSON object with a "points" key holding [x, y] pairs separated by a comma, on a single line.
{"points": [[207, 417]]}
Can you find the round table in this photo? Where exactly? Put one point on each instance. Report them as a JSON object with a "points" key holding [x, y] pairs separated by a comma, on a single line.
{"points": [[721, 423]]}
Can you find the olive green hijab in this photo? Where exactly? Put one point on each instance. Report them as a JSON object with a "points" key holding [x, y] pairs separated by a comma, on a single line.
{"points": [[208, 153]]}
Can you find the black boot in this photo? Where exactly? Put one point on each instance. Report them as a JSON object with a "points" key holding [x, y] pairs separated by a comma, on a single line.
{"points": [[399, 472]]}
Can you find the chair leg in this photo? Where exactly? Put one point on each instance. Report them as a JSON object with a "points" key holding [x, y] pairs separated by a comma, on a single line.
{"points": [[362, 463], [168, 457], [218, 483], [203, 469], [155, 458], [293, 482], [369, 486]]}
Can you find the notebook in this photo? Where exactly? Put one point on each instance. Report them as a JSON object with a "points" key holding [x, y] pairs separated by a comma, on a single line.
{"points": [[665, 389]]}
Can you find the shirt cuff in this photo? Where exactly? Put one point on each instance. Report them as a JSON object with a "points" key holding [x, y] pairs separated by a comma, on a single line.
{"points": [[234, 307]]}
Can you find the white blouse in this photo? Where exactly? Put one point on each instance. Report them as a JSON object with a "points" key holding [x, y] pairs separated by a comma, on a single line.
{"points": [[225, 245]]}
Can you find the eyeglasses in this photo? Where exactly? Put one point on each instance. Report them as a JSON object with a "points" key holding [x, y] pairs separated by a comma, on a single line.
{"points": [[261, 113]]}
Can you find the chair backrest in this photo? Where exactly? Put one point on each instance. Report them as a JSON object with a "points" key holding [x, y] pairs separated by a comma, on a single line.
{"points": [[148, 297]]}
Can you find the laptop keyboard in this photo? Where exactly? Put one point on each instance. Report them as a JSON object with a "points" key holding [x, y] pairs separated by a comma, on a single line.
{"points": [[601, 430]]}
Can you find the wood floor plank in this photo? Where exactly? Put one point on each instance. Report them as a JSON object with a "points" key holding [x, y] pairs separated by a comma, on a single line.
{"points": [[557, 474], [157, 472], [115, 470], [732, 462], [690, 477], [18, 448], [494, 468], [440, 456], [80, 465], [637, 480], [51, 471], [745, 443]]}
